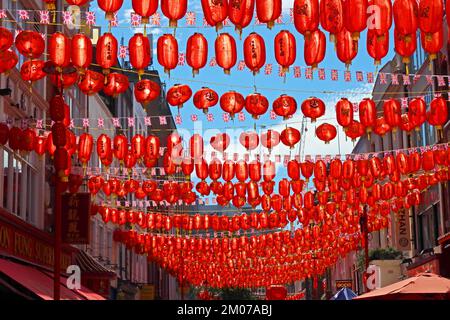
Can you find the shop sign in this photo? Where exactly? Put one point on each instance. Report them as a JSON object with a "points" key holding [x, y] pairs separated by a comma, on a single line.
{"points": [[28, 247], [75, 218], [344, 284], [403, 231]]}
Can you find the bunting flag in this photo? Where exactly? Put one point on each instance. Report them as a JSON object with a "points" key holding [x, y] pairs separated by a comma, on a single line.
{"points": [[23, 15], [190, 18], [155, 19], [268, 69], [44, 17], [67, 18], [135, 19], [90, 18]]}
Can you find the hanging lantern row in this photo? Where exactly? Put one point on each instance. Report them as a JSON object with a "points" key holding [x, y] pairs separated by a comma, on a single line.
{"points": [[77, 51], [279, 211], [252, 261], [356, 179], [344, 20]]}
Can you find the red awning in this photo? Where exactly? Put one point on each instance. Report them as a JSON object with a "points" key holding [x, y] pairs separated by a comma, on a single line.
{"points": [[35, 281], [85, 292]]}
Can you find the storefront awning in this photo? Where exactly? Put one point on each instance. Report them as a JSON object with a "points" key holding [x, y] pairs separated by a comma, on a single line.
{"points": [[35, 281]]}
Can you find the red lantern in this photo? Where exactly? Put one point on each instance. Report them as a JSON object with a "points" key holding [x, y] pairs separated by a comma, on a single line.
{"points": [[392, 111], [225, 48], [326, 132], [6, 39], [381, 127], [8, 60], [344, 112], [430, 16], [432, 43], [167, 51], [103, 146], [145, 91], [28, 139], [406, 17], [313, 108], [174, 10], [269, 171], [145, 8], [270, 139], [59, 135], [381, 22], [91, 82], [30, 44], [116, 84], [59, 50], [215, 169], [138, 146], [40, 145], [417, 112], [49, 145], [106, 51], [85, 145], [367, 114], [4, 133], [240, 13], [285, 49], [215, 12], [120, 147], [285, 106], [228, 170], [355, 130], [174, 144], [205, 98], [355, 16], [254, 169], [314, 48], [139, 52], [65, 80], [241, 171], [405, 45], [178, 95], [406, 124], [77, 2], [268, 11], [15, 135], [254, 52], [220, 142], [201, 169], [438, 113], [152, 145], [256, 104], [196, 146], [232, 102], [110, 7], [306, 16], [346, 47], [377, 46], [61, 161], [290, 137], [249, 140], [32, 70], [196, 52], [332, 17]]}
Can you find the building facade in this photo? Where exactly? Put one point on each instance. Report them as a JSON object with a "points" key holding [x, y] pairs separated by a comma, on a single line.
{"points": [[426, 245]]}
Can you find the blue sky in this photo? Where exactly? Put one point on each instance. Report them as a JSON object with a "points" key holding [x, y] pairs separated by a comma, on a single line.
{"points": [[304, 88]]}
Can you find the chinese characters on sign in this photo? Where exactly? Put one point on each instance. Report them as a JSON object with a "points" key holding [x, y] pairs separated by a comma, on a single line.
{"points": [[75, 218]]}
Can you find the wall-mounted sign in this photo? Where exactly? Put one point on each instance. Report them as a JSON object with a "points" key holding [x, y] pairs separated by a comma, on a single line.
{"points": [[403, 231], [75, 218], [344, 284]]}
